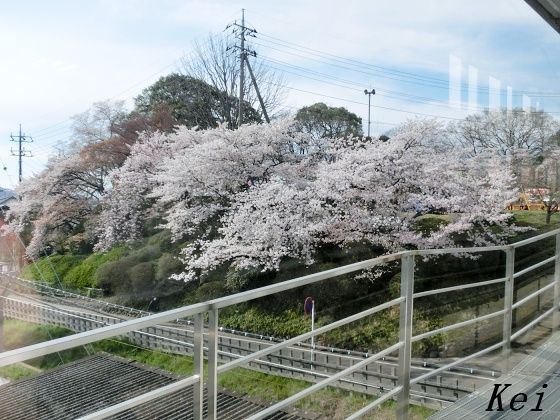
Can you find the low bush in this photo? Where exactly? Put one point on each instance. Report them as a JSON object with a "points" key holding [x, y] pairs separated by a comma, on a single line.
{"points": [[52, 268], [113, 276], [286, 324], [83, 275], [141, 277]]}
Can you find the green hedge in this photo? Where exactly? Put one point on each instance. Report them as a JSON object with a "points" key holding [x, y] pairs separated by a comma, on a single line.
{"points": [[83, 275], [47, 268], [286, 324]]}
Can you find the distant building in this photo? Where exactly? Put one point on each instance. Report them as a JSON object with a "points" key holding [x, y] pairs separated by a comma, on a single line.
{"points": [[12, 250], [6, 198]]}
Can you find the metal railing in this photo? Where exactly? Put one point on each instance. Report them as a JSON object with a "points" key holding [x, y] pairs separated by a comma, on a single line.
{"points": [[403, 347]]}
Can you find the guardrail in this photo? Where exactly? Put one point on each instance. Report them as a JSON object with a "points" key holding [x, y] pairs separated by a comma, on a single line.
{"points": [[402, 347]]}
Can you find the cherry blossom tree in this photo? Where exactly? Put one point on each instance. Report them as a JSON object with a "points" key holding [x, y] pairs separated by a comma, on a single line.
{"points": [[57, 200], [245, 198], [127, 205]]}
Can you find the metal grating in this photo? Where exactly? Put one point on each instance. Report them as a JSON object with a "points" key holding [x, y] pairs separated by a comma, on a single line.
{"points": [[99, 381], [543, 366]]}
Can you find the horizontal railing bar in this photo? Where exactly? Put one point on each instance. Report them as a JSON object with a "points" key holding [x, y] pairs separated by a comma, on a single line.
{"points": [[301, 281], [35, 286], [54, 309], [532, 323], [474, 249], [80, 339], [534, 267], [455, 363], [77, 315], [141, 399], [87, 337], [264, 352], [532, 296], [377, 402], [457, 325], [313, 388], [536, 238], [460, 287]]}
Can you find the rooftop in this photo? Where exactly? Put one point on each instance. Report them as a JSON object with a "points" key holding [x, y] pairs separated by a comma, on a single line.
{"points": [[6, 195]]}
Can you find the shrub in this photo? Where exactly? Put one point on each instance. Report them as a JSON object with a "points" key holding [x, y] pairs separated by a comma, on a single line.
{"points": [[52, 268], [166, 265], [141, 277], [83, 275], [147, 253], [430, 223], [237, 280], [211, 290], [286, 324], [113, 276], [162, 240]]}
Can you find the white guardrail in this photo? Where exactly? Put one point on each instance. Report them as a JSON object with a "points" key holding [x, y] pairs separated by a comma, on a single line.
{"points": [[210, 309]]}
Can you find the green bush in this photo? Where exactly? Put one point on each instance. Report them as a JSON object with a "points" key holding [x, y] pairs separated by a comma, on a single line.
{"points": [[48, 268], [430, 223], [162, 240], [166, 265], [237, 280], [211, 290], [286, 324], [147, 253], [83, 275], [113, 276], [141, 277]]}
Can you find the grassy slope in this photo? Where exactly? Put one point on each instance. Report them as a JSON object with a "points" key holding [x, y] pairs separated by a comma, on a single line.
{"points": [[536, 219]]}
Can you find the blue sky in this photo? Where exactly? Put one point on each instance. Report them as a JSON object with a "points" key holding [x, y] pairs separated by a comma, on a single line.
{"points": [[61, 56]]}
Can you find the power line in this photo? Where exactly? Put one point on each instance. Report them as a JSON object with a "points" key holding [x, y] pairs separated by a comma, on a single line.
{"points": [[363, 103], [52, 128], [397, 95], [443, 83], [408, 96], [388, 93]]}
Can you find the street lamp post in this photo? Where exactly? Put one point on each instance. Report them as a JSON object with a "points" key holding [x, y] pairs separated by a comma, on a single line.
{"points": [[369, 93]]}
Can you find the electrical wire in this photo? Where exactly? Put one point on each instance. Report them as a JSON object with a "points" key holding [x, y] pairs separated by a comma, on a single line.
{"points": [[360, 64]]}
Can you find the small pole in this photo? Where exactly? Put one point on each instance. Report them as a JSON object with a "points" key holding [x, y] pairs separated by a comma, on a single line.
{"points": [[508, 303], [198, 356], [212, 384], [405, 335], [241, 70], [556, 301], [369, 93], [312, 329]]}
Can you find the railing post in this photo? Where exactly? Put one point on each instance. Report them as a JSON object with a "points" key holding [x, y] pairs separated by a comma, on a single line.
{"points": [[556, 314], [213, 364], [198, 356], [405, 335], [508, 302], [1, 324]]}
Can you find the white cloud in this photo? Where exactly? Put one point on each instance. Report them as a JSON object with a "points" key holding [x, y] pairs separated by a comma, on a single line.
{"points": [[71, 54]]}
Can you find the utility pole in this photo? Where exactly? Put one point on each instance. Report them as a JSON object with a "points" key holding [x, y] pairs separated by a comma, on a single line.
{"points": [[242, 31], [371, 92], [242, 57], [21, 152]]}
